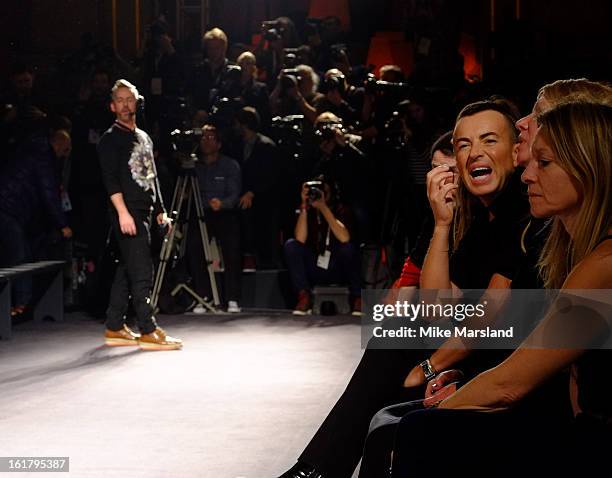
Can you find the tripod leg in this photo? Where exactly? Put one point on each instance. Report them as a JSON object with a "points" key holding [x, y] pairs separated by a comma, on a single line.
{"points": [[195, 189], [168, 244]]}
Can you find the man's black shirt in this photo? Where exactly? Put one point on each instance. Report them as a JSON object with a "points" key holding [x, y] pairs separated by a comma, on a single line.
{"points": [[128, 167], [494, 246]]}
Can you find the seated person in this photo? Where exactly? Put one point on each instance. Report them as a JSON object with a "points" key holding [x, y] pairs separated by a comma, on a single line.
{"points": [[321, 251], [547, 401], [569, 179], [441, 154], [339, 158], [387, 376], [30, 203]]}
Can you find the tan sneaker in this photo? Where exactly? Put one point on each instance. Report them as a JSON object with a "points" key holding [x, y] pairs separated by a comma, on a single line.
{"points": [[122, 337], [158, 340]]}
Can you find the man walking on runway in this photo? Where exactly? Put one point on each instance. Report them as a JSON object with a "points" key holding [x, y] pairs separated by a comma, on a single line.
{"points": [[130, 178]]}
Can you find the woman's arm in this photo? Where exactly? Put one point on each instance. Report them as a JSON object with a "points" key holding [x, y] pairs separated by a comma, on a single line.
{"points": [[301, 226], [456, 349], [527, 368], [338, 229]]}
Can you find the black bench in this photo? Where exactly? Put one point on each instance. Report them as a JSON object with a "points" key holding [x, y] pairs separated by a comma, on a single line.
{"points": [[49, 304]]}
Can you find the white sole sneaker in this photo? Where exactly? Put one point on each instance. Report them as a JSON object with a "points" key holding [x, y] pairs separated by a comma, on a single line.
{"points": [[232, 307], [302, 312]]}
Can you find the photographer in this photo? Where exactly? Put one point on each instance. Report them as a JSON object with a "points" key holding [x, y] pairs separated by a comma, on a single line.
{"points": [[296, 93], [210, 73], [321, 251], [343, 162], [279, 34], [254, 93], [219, 179], [259, 197], [336, 87]]}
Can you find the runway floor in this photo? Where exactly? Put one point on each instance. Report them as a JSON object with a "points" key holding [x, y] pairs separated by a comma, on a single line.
{"points": [[240, 400]]}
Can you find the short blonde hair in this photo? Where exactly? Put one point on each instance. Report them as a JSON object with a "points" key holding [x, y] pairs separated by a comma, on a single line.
{"points": [[246, 56], [215, 34], [573, 90], [124, 84]]}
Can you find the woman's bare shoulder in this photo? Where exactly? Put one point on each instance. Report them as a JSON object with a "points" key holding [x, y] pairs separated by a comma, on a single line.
{"points": [[594, 271]]}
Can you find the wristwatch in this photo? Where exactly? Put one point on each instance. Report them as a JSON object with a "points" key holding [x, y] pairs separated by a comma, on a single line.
{"points": [[428, 370]]}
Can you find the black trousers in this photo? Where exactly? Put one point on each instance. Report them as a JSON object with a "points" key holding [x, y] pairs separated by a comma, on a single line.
{"points": [[261, 231], [225, 227], [516, 442], [336, 448], [134, 275], [546, 406]]}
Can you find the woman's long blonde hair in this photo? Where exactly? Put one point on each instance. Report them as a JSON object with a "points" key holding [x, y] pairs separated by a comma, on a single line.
{"points": [[580, 135]]}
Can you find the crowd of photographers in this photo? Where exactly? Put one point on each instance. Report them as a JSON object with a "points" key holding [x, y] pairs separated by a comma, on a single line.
{"points": [[322, 151]]}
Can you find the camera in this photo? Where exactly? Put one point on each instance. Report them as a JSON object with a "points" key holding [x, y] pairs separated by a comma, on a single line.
{"points": [[334, 82], [289, 78], [315, 191], [224, 111], [380, 87], [184, 145], [290, 57], [287, 130], [230, 83], [338, 52], [394, 135], [272, 30], [327, 131]]}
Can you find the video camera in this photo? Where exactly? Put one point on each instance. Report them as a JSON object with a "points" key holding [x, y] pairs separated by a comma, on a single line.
{"points": [[185, 143], [272, 30]]}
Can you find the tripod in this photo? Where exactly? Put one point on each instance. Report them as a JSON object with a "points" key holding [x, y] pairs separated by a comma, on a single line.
{"points": [[187, 190]]}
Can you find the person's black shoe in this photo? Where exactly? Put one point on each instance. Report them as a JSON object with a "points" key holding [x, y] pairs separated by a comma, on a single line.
{"points": [[301, 470]]}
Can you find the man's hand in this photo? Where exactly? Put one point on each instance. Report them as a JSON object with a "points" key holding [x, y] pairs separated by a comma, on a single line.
{"points": [[66, 232], [441, 194], [127, 224], [215, 204], [340, 137], [246, 201], [163, 220]]}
